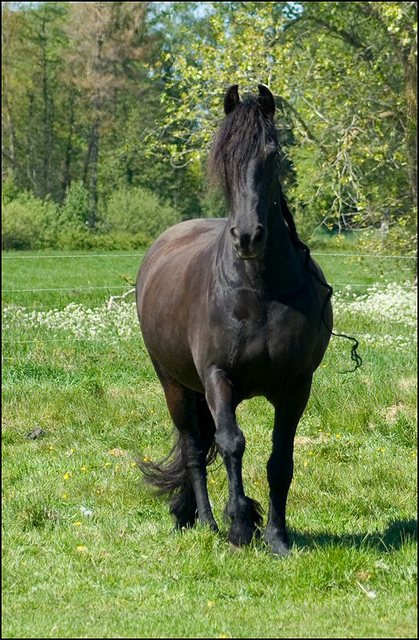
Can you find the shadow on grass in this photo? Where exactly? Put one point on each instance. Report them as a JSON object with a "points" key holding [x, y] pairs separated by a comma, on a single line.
{"points": [[395, 536]]}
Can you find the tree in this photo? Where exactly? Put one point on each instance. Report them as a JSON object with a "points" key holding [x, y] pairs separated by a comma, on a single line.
{"points": [[128, 94], [32, 45], [108, 41], [74, 76], [345, 77]]}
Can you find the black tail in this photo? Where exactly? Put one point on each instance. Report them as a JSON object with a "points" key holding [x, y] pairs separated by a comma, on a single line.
{"points": [[170, 474], [167, 475]]}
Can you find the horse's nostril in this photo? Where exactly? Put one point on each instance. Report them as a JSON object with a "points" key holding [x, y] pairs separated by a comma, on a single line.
{"points": [[259, 233], [249, 243]]}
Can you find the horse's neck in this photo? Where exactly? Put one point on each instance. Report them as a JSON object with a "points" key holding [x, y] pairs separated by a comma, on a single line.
{"points": [[281, 269], [284, 266]]}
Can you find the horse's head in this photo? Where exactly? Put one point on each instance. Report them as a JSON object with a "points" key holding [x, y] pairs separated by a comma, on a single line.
{"points": [[244, 157]]}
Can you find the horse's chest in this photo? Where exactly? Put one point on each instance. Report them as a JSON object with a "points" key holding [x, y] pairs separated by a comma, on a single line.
{"points": [[266, 337]]}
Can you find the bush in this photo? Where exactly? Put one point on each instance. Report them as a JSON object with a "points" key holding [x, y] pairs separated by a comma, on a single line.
{"points": [[9, 190], [138, 211], [75, 209], [111, 241], [213, 203], [29, 223], [399, 237], [134, 217]]}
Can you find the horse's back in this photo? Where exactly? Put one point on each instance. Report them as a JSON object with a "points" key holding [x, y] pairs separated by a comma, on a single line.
{"points": [[176, 251], [189, 232], [179, 245]]}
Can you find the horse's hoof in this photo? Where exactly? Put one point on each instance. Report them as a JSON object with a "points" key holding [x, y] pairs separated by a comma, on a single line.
{"points": [[211, 524], [239, 537], [280, 549], [278, 545]]}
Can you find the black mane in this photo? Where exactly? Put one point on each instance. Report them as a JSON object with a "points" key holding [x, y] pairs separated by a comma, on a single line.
{"points": [[243, 134]]}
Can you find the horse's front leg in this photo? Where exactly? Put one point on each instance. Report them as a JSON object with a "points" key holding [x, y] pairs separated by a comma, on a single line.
{"points": [[281, 464], [243, 512]]}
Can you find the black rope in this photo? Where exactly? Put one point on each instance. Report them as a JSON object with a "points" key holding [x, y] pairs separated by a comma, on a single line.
{"points": [[355, 357]]}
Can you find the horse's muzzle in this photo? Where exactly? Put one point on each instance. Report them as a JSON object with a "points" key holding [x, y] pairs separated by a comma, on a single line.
{"points": [[249, 246], [248, 256]]}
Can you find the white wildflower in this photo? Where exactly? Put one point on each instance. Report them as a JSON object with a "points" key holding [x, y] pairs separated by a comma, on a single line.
{"points": [[391, 305], [77, 321]]}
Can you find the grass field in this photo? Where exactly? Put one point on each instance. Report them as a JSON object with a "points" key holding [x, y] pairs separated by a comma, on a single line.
{"points": [[88, 549]]}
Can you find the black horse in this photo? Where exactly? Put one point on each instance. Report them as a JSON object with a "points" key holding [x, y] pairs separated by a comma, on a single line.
{"points": [[230, 309]]}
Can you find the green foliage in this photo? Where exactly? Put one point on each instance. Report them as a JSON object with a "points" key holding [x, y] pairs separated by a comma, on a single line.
{"points": [[140, 110], [87, 239], [400, 237], [9, 190], [29, 223], [344, 75], [213, 203], [133, 218], [34, 99], [138, 211], [74, 213]]}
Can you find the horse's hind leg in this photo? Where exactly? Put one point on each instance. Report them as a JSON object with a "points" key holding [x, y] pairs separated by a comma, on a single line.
{"points": [[192, 499], [193, 423]]}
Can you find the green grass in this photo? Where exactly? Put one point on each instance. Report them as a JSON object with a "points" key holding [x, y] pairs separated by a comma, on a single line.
{"points": [[76, 275], [121, 572], [90, 278]]}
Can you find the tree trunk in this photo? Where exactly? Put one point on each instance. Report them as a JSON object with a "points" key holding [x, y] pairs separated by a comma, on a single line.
{"points": [[68, 154], [90, 171], [46, 119], [92, 220], [30, 155], [10, 153]]}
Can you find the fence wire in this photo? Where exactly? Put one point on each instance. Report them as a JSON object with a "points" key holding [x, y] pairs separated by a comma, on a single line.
{"points": [[77, 288], [140, 255], [120, 287]]}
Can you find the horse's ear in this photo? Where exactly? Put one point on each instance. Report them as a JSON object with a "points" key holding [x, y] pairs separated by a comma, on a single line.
{"points": [[266, 101], [231, 99]]}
